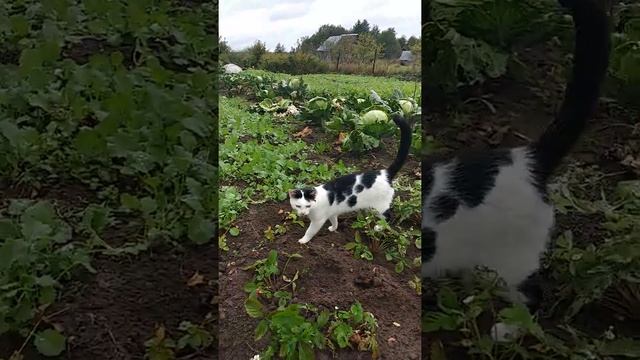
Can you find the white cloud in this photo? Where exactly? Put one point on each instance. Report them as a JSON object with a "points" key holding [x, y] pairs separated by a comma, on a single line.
{"points": [[243, 22]]}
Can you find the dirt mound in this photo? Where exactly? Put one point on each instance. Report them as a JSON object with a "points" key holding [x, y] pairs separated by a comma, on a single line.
{"points": [[329, 277]]}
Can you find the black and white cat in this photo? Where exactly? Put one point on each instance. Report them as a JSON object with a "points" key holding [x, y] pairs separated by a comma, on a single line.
{"points": [[492, 209], [368, 190]]}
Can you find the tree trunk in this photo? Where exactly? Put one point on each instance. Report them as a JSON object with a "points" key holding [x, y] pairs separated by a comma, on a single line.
{"points": [[337, 62]]}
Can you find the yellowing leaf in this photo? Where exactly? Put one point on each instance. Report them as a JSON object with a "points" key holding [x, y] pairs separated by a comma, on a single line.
{"points": [[160, 333], [303, 133]]}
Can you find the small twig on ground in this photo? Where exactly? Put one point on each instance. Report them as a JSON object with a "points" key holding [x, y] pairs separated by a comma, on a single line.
{"points": [[26, 340], [522, 136], [119, 348], [252, 349], [47, 318], [608, 126], [113, 338]]}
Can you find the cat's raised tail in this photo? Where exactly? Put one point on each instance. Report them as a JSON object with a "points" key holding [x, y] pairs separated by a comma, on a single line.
{"points": [[403, 149], [590, 63]]}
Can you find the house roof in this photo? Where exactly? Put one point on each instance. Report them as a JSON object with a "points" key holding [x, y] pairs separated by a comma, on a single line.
{"points": [[406, 56], [332, 40]]}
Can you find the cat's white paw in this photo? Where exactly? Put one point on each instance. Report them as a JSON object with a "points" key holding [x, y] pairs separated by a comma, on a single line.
{"points": [[504, 332], [377, 228], [303, 241], [332, 228]]}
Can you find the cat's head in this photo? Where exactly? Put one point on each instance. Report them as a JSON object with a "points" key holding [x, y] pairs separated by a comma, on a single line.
{"points": [[302, 200]]}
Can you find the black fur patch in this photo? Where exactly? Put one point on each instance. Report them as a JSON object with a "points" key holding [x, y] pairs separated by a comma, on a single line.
{"points": [[428, 244], [427, 179], [332, 197], [369, 178], [339, 189], [353, 200], [539, 182], [444, 207], [309, 194], [359, 188], [474, 175], [296, 194], [592, 47], [531, 287], [388, 215]]}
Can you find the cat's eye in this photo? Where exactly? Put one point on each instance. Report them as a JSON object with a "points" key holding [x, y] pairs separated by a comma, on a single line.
{"points": [[308, 206]]}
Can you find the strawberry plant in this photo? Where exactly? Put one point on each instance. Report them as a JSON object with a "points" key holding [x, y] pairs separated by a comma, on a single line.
{"points": [[354, 328], [161, 346], [392, 241], [36, 257], [292, 335], [101, 121], [297, 331], [625, 57]]}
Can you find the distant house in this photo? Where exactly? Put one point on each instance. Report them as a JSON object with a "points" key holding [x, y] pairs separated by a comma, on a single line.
{"points": [[406, 57], [324, 50]]}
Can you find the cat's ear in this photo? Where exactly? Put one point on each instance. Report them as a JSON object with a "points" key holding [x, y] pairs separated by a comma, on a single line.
{"points": [[295, 193], [312, 194]]}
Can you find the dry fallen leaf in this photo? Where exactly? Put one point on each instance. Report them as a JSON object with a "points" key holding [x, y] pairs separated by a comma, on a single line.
{"points": [[303, 133], [280, 211], [196, 279], [632, 162], [391, 340], [341, 137], [160, 333]]}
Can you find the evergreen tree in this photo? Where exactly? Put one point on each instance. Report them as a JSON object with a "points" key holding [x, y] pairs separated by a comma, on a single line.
{"points": [[311, 43], [279, 49], [256, 51], [402, 40], [390, 44], [360, 27]]}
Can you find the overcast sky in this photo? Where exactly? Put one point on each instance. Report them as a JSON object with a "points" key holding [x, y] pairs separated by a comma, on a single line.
{"points": [[242, 22]]}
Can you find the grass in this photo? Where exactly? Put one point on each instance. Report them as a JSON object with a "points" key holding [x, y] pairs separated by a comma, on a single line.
{"points": [[352, 84]]}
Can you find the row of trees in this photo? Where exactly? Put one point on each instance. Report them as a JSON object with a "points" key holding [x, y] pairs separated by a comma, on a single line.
{"points": [[371, 44], [387, 40]]}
